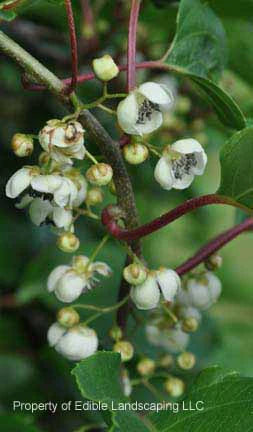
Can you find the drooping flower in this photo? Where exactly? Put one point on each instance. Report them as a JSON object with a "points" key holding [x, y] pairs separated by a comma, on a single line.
{"points": [[64, 141], [141, 111], [147, 295], [68, 282], [44, 212], [204, 292], [180, 163], [49, 187], [172, 339], [76, 343]]}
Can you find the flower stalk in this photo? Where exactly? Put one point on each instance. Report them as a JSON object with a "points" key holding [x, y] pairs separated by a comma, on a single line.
{"points": [[73, 43], [131, 50]]}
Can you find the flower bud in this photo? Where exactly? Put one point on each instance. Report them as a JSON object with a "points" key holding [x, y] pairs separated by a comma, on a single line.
{"points": [[214, 262], [135, 274], [126, 383], [116, 333], [166, 361], [174, 386], [68, 242], [99, 174], [146, 366], [68, 317], [112, 188], [44, 158], [94, 196], [190, 325], [22, 145], [183, 105], [186, 360], [125, 349], [135, 153], [105, 68]]}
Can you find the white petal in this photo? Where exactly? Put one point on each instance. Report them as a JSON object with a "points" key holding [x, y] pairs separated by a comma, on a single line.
{"points": [[80, 153], [18, 182], [164, 174], [69, 287], [62, 218], [184, 182], [102, 268], [169, 283], [214, 285], [25, 201], [175, 340], [201, 163], [156, 93], [66, 193], [127, 113], [147, 295], [82, 192], [59, 156], [199, 294], [55, 333], [55, 275], [187, 145], [78, 343], [39, 210], [46, 183]]}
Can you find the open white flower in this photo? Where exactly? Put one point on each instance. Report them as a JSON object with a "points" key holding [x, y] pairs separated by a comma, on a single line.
{"points": [[50, 186], [68, 282], [203, 292], [173, 339], [147, 295], [64, 141], [44, 212], [76, 343], [141, 111], [180, 163]]}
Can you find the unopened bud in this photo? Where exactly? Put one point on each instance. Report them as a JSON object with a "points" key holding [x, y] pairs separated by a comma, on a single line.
{"points": [[146, 366], [214, 262], [115, 333], [135, 274], [112, 188], [186, 360], [125, 349], [68, 242], [94, 196], [105, 68], [183, 105], [68, 317], [22, 145], [99, 174], [135, 153], [190, 325], [166, 361], [174, 386]]}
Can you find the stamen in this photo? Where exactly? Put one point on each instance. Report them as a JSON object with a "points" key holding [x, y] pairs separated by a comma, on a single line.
{"points": [[146, 110], [183, 165]]}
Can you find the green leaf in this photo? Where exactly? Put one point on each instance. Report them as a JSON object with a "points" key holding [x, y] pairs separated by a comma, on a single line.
{"points": [[199, 46], [236, 159], [227, 401], [198, 52], [15, 423], [98, 380], [7, 15]]}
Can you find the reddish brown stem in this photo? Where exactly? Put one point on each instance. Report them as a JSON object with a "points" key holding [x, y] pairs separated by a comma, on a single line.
{"points": [[160, 222], [12, 5], [131, 50], [90, 76], [73, 43], [213, 246]]}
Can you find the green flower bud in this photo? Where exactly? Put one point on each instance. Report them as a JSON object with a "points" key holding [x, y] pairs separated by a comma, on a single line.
{"points": [[68, 242], [22, 145], [125, 349], [135, 274], [214, 262], [94, 196], [105, 68], [186, 360], [146, 366], [68, 317], [115, 333], [174, 386], [190, 324], [99, 174], [166, 361], [135, 153]]}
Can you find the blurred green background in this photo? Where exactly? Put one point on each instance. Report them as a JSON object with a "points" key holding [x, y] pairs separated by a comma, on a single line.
{"points": [[27, 254]]}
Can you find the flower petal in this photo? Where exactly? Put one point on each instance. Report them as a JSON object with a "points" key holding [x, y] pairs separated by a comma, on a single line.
{"points": [[69, 287], [164, 174], [149, 125], [18, 182], [62, 218], [157, 93], [169, 283], [147, 295], [184, 182], [55, 275], [39, 210], [55, 333], [127, 113]]}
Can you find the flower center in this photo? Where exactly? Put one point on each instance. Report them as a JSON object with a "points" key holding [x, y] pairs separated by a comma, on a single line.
{"points": [[183, 165], [36, 194], [146, 110]]}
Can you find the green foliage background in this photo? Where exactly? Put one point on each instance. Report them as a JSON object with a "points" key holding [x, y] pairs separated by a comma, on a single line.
{"points": [[29, 370]]}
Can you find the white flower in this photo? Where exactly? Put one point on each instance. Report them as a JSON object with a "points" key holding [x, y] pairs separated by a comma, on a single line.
{"points": [[173, 340], [68, 282], [169, 282], [75, 343], [140, 112], [180, 163], [64, 141], [202, 293], [50, 186], [147, 294]]}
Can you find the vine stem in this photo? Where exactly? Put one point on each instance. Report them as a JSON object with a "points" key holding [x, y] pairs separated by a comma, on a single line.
{"points": [[158, 223], [73, 43], [213, 246], [131, 49]]}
